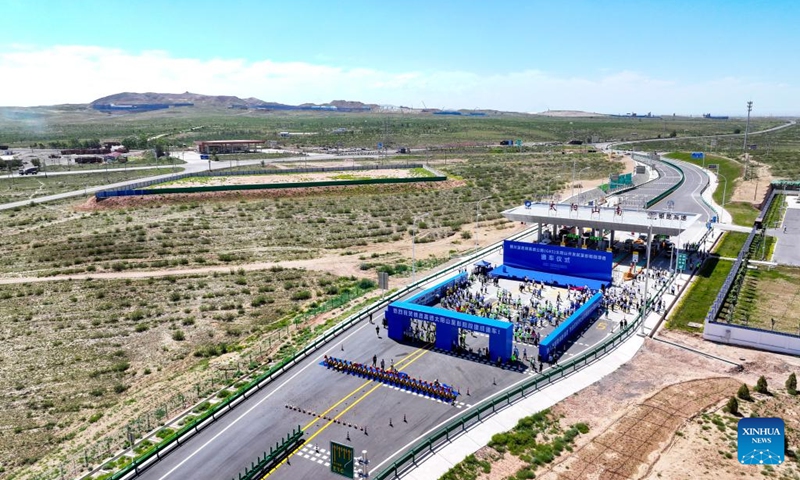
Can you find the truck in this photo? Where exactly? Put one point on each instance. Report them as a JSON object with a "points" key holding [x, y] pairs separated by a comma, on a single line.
{"points": [[28, 170]]}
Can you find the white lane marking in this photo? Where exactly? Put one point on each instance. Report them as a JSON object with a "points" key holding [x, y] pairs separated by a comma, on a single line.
{"points": [[469, 407], [214, 438]]}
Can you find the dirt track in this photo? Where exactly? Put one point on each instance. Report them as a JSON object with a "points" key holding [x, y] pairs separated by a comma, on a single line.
{"points": [[624, 449]]}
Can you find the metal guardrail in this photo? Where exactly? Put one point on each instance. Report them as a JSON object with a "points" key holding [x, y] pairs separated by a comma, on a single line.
{"points": [[266, 186], [488, 407], [671, 189], [280, 451], [201, 422], [217, 173], [185, 433], [741, 260]]}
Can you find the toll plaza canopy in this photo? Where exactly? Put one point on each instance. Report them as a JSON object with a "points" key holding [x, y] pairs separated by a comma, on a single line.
{"points": [[608, 218]]}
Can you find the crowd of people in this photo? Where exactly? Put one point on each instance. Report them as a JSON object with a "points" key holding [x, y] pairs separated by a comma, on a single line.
{"points": [[629, 298], [527, 314], [393, 377]]}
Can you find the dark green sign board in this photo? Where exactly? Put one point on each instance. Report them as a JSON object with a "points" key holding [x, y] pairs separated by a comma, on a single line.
{"points": [[342, 460], [617, 181]]}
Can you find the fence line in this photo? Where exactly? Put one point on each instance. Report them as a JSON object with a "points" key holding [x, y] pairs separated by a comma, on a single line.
{"points": [[208, 417], [467, 420], [741, 260]]}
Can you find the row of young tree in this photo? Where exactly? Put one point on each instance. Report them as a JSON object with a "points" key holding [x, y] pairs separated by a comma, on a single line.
{"points": [[761, 387], [133, 142]]}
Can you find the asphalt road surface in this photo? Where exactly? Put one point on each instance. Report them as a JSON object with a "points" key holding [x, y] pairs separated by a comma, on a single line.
{"points": [[667, 177], [786, 251], [688, 197], [190, 166], [223, 449], [331, 406]]}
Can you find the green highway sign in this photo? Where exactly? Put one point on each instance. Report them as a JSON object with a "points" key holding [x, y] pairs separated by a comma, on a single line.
{"points": [[681, 261], [342, 460]]}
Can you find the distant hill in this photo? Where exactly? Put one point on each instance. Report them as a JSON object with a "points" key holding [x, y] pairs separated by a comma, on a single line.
{"points": [[217, 101]]}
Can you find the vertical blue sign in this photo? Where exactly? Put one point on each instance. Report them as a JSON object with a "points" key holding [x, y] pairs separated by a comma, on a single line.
{"points": [[592, 264]]}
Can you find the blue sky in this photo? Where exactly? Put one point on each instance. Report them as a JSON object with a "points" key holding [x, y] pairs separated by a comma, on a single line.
{"points": [[610, 56]]}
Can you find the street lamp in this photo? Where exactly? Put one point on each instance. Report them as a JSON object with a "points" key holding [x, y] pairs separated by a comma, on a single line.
{"points": [[413, 247], [724, 192], [477, 206], [548, 184], [646, 304], [573, 177]]}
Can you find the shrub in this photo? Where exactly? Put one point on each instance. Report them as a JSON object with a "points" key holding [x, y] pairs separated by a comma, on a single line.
{"points": [[732, 406], [791, 384], [178, 336], [761, 385], [224, 394], [121, 367], [744, 393], [466, 235], [301, 295], [366, 284], [97, 416]]}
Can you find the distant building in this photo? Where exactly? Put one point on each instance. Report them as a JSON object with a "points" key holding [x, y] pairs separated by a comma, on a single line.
{"points": [[112, 157], [228, 146]]}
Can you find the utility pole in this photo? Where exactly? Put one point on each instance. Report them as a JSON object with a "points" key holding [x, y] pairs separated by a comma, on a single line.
{"points": [[646, 307], [746, 130], [413, 247], [477, 216]]}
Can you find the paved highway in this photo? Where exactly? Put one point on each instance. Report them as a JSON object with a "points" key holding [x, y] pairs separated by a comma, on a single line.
{"points": [[222, 450], [638, 197], [331, 406], [608, 145], [688, 197], [47, 174], [191, 165]]}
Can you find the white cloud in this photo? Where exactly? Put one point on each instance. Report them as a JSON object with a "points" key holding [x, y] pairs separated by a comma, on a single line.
{"points": [[79, 74]]}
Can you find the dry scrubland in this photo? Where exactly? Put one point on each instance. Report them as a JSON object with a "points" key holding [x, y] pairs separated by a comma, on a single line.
{"points": [[78, 352], [88, 356], [25, 188], [662, 415], [236, 229]]}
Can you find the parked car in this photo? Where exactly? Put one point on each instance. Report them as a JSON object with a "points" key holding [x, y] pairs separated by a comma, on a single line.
{"points": [[28, 170]]}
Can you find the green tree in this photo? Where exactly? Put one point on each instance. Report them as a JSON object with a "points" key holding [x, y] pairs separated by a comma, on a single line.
{"points": [[744, 393], [732, 406], [791, 384], [761, 385], [673, 134]]}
